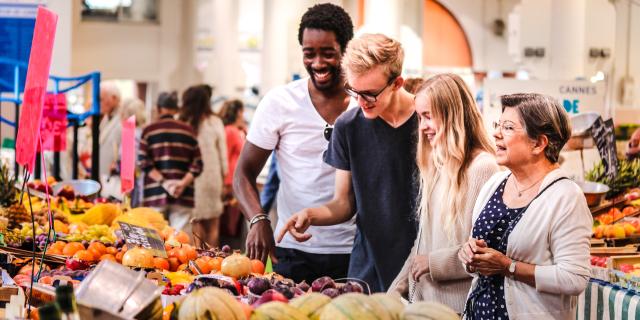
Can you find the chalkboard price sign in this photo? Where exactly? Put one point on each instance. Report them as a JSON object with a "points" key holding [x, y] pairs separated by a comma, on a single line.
{"points": [[143, 237], [603, 134]]}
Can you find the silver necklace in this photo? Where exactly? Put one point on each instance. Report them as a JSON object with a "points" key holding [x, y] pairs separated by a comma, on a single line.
{"points": [[515, 183]]}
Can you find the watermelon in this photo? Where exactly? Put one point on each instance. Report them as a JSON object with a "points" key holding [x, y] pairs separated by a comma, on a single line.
{"points": [[311, 304], [354, 306]]}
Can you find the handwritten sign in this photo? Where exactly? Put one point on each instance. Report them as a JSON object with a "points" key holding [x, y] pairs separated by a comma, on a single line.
{"points": [[604, 136], [127, 161], [35, 87], [143, 237], [53, 128]]}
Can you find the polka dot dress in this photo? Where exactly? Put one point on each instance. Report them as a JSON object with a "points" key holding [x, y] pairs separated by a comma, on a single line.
{"points": [[490, 226]]}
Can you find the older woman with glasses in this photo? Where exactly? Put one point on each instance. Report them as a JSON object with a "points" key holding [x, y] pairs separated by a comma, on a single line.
{"points": [[529, 249]]}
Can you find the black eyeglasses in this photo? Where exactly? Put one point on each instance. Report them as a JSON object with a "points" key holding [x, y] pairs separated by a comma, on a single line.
{"points": [[369, 97], [327, 132]]}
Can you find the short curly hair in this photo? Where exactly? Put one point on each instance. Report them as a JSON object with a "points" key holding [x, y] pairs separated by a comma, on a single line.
{"points": [[328, 17]]}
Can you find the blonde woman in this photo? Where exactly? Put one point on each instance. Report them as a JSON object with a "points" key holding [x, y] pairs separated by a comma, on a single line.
{"points": [[196, 111], [455, 158]]}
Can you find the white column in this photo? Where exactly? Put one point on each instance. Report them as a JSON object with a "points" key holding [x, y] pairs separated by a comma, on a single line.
{"points": [[223, 69], [62, 53], [275, 46], [382, 16], [567, 39]]}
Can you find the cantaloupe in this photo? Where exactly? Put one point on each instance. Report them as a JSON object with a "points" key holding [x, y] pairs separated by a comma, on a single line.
{"points": [[354, 306], [391, 303], [210, 303], [428, 310], [311, 304], [277, 310]]}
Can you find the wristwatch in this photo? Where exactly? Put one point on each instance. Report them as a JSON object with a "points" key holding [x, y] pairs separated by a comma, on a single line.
{"points": [[512, 268]]}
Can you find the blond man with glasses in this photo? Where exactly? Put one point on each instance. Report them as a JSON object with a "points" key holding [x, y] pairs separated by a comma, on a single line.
{"points": [[373, 150]]}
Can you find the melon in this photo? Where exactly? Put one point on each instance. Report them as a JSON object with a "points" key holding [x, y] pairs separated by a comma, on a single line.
{"points": [[391, 303], [311, 304], [354, 306], [277, 310], [210, 303], [429, 310]]}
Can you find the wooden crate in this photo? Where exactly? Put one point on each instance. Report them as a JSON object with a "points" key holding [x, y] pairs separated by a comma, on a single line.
{"points": [[615, 262], [613, 251]]}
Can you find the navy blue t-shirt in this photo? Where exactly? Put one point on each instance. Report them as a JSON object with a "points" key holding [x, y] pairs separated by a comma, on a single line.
{"points": [[383, 173]]}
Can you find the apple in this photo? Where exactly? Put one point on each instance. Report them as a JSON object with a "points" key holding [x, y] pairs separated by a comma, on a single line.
{"points": [[626, 268], [270, 295], [75, 264], [67, 192]]}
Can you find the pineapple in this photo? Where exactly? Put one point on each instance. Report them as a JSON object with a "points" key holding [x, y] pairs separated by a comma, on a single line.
{"points": [[14, 212]]}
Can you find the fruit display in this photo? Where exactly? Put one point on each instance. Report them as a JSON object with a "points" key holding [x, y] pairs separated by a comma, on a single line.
{"points": [[618, 230], [210, 303], [627, 177], [614, 214], [82, 232]]}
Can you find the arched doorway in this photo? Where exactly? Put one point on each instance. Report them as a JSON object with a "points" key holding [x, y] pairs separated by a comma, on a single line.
{"points": [[444, 41]]}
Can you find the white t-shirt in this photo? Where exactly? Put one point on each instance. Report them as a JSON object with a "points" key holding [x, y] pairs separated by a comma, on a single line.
{"points": [[286, 121]]}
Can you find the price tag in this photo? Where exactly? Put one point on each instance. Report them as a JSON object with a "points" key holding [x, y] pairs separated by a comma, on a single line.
{"points": [[143, 237], [128, 159], [35, 87], [604, 136], [53, 129]]}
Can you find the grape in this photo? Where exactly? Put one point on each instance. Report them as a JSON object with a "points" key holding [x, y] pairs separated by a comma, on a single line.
{"points": [[28, 239], [226, 249]]}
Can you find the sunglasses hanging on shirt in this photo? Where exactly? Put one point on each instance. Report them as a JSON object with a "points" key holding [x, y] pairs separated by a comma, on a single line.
{"points": [[327, 132]]}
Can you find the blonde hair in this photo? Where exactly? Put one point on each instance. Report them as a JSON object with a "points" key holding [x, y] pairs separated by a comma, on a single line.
{"points": [[134, 107], [371, 50], [460, 135]]}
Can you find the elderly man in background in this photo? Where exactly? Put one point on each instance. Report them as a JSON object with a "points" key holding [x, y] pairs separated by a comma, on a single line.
{"points": [[110, 128]]}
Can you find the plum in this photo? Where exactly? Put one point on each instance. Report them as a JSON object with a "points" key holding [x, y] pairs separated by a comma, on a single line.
{"points": [[285, 290], [258, 286], [297, 291], [322, 283], [351, 286], [331, 292], [304, 286]]}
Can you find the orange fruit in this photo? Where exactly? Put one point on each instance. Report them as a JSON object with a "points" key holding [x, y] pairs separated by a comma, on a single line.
{"points": [[173, 252], [187, 253], [53, 250], [71, 248], [173, 263], [112, 250], [98, 246], [182, 237], [192, 254], [96, 254], [59, 245], [108, 256], [202, 265], [182, 267], [257, 266], [161, 263], [46, 280], [215, 264], [84, 255], [119, 256]]}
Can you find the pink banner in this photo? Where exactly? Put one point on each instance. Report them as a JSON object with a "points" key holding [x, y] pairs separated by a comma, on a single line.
{"points": [[128, 159], [35, 87], [53, 128]]}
